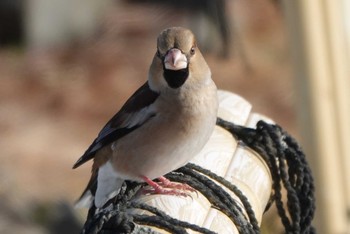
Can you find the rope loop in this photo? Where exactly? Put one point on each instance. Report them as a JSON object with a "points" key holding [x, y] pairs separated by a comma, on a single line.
{"points": [[289, 170]]}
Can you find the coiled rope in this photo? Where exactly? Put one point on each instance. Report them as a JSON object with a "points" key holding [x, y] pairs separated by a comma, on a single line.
{"points": [[289, 170]]}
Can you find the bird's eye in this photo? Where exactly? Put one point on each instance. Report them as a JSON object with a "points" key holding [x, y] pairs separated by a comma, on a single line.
{"points": [[193, 50]]}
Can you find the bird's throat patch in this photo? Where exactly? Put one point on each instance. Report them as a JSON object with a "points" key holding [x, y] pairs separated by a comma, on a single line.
{"points": [[175, 79]]}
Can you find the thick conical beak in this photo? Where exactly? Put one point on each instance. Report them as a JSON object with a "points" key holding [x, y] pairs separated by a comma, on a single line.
{"points": [[175, 60]]}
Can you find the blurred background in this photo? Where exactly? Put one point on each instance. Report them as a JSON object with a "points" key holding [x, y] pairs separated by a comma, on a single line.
{"points": [[67, 66]]}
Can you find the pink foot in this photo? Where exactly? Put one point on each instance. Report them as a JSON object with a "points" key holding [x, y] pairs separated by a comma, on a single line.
{"points": [[167, 187], [173, 185]]}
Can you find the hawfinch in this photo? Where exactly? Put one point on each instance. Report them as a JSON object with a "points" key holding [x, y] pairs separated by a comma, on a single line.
{"points": [[160, 128]]}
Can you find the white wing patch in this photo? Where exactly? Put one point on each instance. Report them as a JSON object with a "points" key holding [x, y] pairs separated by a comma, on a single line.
{"points": [[138, 118]]}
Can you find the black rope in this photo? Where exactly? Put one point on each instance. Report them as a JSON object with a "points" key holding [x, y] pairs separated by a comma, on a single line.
{"points": [[217, 196], [289, 170], [249, 210], [288, 167], [162, 217]]}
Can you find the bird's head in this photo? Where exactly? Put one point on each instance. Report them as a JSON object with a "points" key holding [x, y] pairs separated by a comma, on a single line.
{"points": [[176, 58]]}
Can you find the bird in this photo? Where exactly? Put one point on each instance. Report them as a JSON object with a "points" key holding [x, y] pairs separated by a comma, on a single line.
{"points": [[160, 128]]}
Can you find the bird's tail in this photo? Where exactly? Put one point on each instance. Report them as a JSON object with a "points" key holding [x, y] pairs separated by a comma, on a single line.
{"points": [[88, 196], [104, 184]]}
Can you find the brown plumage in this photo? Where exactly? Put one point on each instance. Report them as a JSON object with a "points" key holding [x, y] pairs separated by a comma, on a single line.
{"points": [[161, 127]]}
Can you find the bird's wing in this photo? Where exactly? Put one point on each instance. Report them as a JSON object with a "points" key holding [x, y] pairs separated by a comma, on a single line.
{"points": [[136, 111]]}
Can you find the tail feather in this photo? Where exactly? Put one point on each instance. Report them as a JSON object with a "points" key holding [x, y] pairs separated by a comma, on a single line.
{"points": [[85, 201], [88, 196], [104, 184]]}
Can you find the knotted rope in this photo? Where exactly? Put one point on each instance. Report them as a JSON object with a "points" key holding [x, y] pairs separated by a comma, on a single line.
{"points": [[285, 160]]}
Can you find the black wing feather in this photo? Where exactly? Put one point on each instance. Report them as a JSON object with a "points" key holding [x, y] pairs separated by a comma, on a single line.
{"points": [[114, 130]]}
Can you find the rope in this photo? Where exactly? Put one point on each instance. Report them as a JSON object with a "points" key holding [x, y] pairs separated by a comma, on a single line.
{"points": [[289, 170], [288, 167]]}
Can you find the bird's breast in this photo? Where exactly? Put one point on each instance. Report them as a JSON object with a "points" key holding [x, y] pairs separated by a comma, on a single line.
{"points": [[168, 140]]}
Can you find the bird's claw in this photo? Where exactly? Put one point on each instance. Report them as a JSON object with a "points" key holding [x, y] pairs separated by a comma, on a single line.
{"points": [[173, 185], [164, 191], [167, 187]]}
